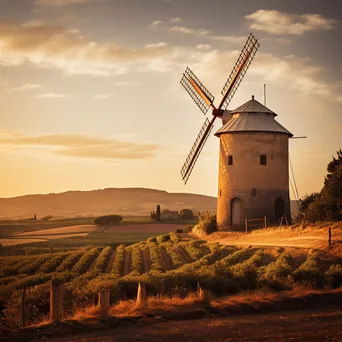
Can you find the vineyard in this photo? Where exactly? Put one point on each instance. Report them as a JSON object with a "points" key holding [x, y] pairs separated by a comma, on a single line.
{"points": [[170, 264]]}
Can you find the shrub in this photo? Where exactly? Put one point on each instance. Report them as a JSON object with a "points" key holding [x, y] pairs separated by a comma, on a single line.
{"points": [[186, 214], [86, 260], [309, 270], [188, 228], [207, 223], [107, 220], [334, 276], [163, 238]]}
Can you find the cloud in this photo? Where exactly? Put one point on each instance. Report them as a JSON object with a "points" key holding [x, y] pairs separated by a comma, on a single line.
{"points": [[203, 47], [52, 96], [187, 30], [176, 20], [57, 47], [85, 146], [276, 22], [102, 96], [24, 87], [156, 45], [61, 2], [156, 23], [201, 32], [266, 68]]}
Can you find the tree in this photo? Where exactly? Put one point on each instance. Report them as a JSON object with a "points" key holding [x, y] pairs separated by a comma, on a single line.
{"points": [[186, 214], [153, 215], [158, 213], [107, 220], [327, 205]]}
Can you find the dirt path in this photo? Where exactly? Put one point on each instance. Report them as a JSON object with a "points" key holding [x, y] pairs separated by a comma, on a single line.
{"points": [[184, 255], [310, 237], [302, 325], [165, 259], [127, 262], [109, 262], [146, 260]]}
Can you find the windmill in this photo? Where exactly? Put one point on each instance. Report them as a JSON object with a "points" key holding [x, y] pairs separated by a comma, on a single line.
{"points": [[205, 100]]}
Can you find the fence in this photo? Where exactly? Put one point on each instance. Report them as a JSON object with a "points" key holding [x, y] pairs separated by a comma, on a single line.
{"points": [[103, 305], [258, 222]]}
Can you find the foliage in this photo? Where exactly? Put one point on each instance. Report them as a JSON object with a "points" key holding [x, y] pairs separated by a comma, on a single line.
{"points": [[186, 214], [163, 238], [207, 223], [334, 276], [158, 213], [86, 260], [107, 220], [118, 263], [327, 205], [101, 260], [309, 270], [70, 261]]}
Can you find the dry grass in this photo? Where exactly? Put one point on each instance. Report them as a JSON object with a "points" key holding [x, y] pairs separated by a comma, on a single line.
{"points": [[175, 307]]}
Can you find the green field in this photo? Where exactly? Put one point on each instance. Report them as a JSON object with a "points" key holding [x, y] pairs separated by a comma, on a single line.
{"points": [[169, 264]]}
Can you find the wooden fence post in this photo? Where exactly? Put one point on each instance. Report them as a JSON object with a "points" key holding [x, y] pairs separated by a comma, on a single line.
{"points": [[56, 300], [203, 295], [141, 295], [303, 222], [103, 302], [265, 221], [246, 226], [23, 313], [329, 235]]}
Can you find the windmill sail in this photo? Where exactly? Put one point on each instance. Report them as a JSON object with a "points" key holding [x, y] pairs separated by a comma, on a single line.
{"points": [[198, 92], [204, 99], [196, 149], [241, 66]]}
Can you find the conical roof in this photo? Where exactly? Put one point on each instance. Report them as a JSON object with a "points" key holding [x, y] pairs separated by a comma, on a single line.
{"points": [[252, 106], [252, 117]]}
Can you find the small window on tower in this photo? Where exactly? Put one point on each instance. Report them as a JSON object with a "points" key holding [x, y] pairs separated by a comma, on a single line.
{"points": [[263, 159], [230, 160]]}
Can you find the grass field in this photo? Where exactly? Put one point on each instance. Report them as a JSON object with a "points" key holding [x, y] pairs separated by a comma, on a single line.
{"points": [[80, 232], [170, 264]]}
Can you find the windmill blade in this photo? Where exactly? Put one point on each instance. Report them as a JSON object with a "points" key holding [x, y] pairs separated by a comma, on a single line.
{"points": [[196, 149], [241, 66], [198, 92]]}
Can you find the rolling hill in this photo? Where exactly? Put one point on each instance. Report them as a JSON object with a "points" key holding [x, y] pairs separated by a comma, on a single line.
{"points": [[125, 201]]}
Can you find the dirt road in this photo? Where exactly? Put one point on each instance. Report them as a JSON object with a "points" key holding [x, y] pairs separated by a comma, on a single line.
{"points": [[310, 237], [305, 325]]}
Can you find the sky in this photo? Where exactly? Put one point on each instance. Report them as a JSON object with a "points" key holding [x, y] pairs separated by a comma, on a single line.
{"points": [[90, 95]]}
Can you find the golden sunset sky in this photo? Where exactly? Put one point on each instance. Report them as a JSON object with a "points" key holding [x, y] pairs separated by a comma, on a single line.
{"points": [[90, 95]]}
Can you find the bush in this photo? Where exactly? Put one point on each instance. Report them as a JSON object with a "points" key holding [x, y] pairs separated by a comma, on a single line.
{"points": [[207, 223], [107, 220], [334, 276], [188, 228], [186, 214]]}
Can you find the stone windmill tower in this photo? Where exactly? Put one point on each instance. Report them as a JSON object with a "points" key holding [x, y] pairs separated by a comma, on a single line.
{"points": [[253, 163], [253, 166]]}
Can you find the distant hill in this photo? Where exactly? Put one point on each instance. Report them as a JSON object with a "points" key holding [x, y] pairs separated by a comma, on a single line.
{"points": [[124, 201]]}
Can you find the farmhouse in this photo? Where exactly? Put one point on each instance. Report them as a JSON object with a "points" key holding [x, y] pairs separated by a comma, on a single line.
{"points": [[169, 215]]}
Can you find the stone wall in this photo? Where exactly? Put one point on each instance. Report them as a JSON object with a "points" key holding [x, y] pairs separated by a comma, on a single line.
{"points": [[257, 186]]}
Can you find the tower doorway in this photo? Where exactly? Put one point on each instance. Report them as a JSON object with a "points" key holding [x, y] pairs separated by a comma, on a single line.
{"points": [[236, 212], [278, 209]]}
